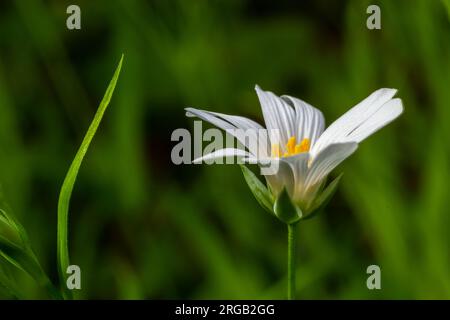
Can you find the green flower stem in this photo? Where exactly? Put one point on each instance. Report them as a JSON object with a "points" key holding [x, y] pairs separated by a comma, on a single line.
{"points": [[291, 262]]}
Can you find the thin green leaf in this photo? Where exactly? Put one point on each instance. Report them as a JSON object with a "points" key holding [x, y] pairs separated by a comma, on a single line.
{"points": [[24, 259], [69, 181], [16, 250], [8, 228], [7, 284], [13, 224], [258, 189]]}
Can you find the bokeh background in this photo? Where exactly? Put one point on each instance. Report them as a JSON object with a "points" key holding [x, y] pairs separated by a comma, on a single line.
{"points": [[141, 227]]}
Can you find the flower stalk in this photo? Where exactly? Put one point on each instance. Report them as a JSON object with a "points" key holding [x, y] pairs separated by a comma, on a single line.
{"points": [[291, 261]]}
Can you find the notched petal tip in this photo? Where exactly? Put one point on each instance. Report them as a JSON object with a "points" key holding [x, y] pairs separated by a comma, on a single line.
{"points": [[353, 145], [261, 92], [189, 112], [398, 104], [387, 91], [395, 107]]}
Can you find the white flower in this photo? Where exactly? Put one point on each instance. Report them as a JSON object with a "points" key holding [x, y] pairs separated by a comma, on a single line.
{"points": [[304, 152]]}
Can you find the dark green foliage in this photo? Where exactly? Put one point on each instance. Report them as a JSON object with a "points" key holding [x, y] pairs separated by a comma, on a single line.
{"points": [[141, 227]]}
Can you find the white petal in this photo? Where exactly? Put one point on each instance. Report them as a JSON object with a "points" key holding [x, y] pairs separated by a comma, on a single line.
{"points": [[209, 117], [299, 166], [309, 120], [283, 178], [290, 172], [328, 159], [339, 130], [278, 116], [238, 121], [386, 114], [222, 153], [254, 138]]}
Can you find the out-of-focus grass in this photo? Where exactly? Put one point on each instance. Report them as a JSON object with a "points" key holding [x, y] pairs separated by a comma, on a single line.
{"points": [[146, 228]]}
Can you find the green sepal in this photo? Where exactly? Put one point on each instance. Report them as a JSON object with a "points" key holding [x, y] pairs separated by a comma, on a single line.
{"points": [[258, 189], [285, 209], [324, 197]]}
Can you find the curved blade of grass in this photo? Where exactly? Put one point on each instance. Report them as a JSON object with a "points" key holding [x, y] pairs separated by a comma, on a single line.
{"points": [[7, 285], [69, 181], [25, 260], [15, 249]]}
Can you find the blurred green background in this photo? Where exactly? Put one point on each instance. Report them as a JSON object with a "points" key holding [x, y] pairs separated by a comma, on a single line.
{"points": [[141, 227]]}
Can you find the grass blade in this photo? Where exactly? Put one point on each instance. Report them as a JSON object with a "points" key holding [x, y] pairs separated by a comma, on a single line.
{"points": [[15, 250], [69, 181]]}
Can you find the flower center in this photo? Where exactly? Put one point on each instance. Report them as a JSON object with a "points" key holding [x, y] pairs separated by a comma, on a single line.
{"points": [[291, 148]]}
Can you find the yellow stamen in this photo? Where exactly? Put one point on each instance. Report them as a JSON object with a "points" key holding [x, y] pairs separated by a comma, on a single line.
{"points": [[304, 145], [291, 148]]}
